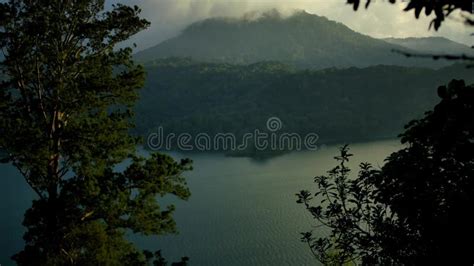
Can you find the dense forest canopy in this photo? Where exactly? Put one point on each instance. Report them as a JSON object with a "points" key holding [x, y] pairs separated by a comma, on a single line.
{"points": [[183, 95]]}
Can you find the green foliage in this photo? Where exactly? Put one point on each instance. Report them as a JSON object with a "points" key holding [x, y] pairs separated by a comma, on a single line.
{"points": [[340, 105], [412, 211], [65, 114]]}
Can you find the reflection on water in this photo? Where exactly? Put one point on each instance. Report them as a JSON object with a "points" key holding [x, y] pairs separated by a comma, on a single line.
{"points": [[241, 212]]}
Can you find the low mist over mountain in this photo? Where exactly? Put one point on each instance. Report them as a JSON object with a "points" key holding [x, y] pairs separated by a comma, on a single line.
{"points": [[303, 40], [438, 45]]}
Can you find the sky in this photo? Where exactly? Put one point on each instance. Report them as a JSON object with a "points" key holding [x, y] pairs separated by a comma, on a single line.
{"points": [[169, 17]]}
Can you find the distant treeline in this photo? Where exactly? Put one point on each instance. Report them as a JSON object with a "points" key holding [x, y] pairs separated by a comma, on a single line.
{"points": [[341, 105]]}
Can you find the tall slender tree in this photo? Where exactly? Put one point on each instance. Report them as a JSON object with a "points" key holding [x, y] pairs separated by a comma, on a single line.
{"points": [[66, 103]]}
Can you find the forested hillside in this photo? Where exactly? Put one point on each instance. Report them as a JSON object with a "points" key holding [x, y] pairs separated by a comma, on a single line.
{"points": [[303, 40], [338, 104]]}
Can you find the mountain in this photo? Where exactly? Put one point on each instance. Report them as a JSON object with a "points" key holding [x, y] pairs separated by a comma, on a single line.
{"points": [[436, 45], [341, 105], [303, 40]]}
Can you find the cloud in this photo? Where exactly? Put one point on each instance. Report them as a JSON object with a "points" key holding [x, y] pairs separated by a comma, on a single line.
{"points": [[169, 17]]}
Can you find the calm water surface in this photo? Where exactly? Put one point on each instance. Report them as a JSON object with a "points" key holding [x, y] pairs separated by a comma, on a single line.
{"points": [[242, 211]]}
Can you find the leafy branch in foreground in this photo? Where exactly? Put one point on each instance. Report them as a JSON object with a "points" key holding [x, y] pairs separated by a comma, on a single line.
{"points": [[461, 57], [348, 207], [440, 8], [413, 211]]}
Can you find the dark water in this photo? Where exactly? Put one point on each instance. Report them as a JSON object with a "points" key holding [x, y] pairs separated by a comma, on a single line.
{"points": [[242, 211]]}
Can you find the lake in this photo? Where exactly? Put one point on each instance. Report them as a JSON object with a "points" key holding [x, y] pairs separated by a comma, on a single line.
{"points": [[242, 211]]}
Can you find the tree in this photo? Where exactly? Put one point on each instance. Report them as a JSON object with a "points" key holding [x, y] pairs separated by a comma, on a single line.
{"points": [[415, 209], [435, 172], [65, 111]]}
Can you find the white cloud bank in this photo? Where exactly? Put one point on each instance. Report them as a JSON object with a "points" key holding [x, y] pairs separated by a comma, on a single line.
{"points": [[169, 17]]}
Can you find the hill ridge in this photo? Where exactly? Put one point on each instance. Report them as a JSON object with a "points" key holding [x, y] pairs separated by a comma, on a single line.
{"points": [[300, 39]]}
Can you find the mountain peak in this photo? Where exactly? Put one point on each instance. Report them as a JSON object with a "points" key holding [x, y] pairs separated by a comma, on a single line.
{"points": [[257, 17], [297, 38]]}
